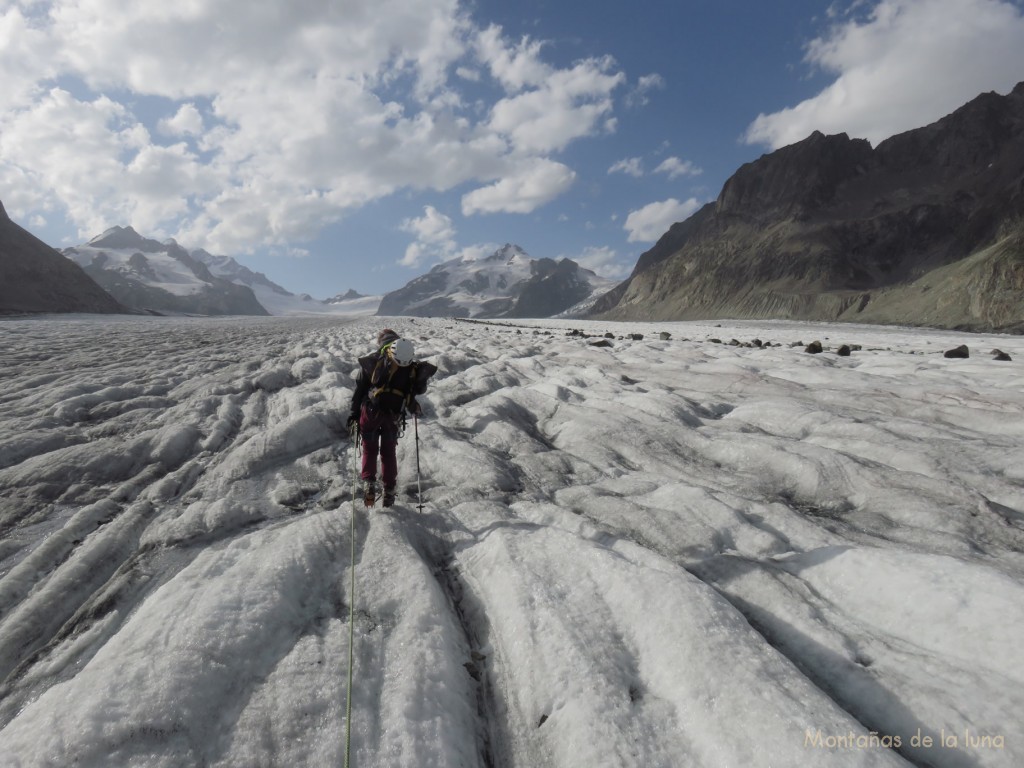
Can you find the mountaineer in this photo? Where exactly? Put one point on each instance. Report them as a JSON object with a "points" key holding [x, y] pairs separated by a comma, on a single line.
{"points": [[389, 381]]}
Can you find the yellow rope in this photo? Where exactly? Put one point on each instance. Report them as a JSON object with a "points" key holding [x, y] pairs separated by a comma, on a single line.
{"points": [[351, 599]]}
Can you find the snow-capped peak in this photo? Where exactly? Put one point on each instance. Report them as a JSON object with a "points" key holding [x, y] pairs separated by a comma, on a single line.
{"points": [[166, 277], [507, 283], [510, 254]]}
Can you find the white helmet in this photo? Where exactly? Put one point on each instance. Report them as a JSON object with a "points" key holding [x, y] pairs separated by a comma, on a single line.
{"points": [[402, 352]]}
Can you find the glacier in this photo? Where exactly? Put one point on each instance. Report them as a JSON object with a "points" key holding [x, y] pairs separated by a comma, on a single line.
{"points": [[662, 552]]}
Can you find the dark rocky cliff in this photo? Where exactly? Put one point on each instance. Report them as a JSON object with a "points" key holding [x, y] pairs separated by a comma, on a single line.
{"points": [[925, 228], [553, 287], [35, 278]]}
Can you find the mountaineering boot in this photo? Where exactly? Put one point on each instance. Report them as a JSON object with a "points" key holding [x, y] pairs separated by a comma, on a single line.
{"points": [[370, 496], [389, 496]]}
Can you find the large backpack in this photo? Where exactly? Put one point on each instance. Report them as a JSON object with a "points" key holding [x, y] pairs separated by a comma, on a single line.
{"points": [[393, 386]]}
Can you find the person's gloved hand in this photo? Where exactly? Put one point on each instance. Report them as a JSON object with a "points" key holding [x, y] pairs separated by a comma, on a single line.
{"points": [[353, 421], [415, 408]]}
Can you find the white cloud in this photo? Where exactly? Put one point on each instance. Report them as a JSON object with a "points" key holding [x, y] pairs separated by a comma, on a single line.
{"points": [[675, 168], [638, 97], [187, 121], [526, 188], [415, 254], [604, 261], [155, 175], [176, 50], [432, 227], [24, 57], [907, 64], [514, 66], [566, 105], [435, 241], [435, 238], [653, 220], [631, 166], [299, 112], [477, 251], [99, 162]]}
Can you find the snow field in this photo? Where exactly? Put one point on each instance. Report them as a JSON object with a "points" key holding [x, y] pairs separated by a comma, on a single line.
{"points": [[661, 553]]}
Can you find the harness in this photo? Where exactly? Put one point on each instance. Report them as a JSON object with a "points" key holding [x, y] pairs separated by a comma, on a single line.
{"points": [[382, 377]]}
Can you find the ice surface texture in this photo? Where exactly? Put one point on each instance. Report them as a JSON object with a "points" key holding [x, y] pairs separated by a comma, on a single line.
{"points": [[657, 553]]}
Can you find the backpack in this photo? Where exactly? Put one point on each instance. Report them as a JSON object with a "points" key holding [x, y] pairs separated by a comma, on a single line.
{"points": [[382, 381], [392, 387]]}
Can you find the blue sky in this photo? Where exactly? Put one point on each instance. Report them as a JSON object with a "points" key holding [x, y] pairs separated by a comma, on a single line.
{"points": [[355, 145]]}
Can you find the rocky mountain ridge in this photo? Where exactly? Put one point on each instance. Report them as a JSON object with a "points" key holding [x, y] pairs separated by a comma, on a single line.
{"points": [[508, 283], [927, 228], [166, 278], [156, 277]]}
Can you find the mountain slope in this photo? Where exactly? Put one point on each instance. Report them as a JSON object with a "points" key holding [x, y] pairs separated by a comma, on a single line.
{"points": [[830, 228], [279, 301], [508, 283], [160, 277], [36, 278], [165, 278]]}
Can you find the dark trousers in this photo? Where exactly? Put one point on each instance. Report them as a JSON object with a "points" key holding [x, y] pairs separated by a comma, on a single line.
{"points": [[379, 430]]}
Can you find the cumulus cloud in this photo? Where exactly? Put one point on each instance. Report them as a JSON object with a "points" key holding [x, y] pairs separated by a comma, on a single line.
{"points": [[24, 57], [515, 65], [293, 115], [673, 167], [186, 122], [904, 65], [631, 166], [653, 220], [566, 105], [435, 238], [100, 162], [432, 227], [604, 261], [529, 186], [435, 241], [638, 95], [477, 251]]}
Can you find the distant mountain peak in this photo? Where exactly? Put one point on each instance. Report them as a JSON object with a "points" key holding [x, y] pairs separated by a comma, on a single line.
{"points": [[227, 267], [150, 276], [508, 253], [114, 231], [3, 213], [125, 237], [166, 277], [350, 294], [508, 283]]}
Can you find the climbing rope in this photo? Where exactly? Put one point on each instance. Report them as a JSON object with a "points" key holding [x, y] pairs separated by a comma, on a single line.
{"points": [[356, 444], [352, 596]]}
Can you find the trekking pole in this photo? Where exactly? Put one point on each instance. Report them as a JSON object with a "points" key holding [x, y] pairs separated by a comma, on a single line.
{"points": [[354, 433], [419, 484]]}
